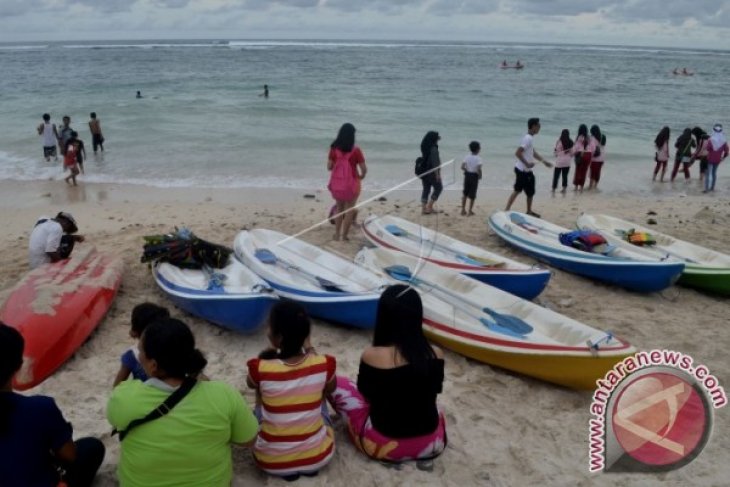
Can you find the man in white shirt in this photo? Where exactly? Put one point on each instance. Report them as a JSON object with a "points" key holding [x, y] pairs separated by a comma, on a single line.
{"points": [[524, 179], [51, 239]]}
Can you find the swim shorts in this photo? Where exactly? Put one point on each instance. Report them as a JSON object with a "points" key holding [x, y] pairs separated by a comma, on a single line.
{"points": [[524, 181]]}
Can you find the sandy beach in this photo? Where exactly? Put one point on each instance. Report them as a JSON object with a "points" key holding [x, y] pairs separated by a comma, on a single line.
{"points": [[503, 429]]}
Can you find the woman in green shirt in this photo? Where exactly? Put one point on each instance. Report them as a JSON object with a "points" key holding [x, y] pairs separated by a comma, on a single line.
{"points": [[190, 445]]}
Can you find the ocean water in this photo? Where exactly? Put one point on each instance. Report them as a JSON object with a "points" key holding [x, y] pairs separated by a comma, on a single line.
{"points": [[202, 123]]}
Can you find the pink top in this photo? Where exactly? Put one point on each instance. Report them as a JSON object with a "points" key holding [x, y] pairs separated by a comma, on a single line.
{"points": [[715, 156], [578, 146], [563, 158], [662, 153], [601, 156]]}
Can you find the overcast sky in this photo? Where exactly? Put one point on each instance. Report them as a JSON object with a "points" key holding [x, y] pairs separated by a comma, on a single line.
{"points": [[680, 23]]}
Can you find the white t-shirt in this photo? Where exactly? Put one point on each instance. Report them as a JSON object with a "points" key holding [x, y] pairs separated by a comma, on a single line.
{"points": [[472, 163], [45, 237], [527, 154], [49, 138]]}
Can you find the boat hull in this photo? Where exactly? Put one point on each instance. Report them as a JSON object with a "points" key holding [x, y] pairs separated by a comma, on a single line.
{"points": [[244, 313], [57, 306]]}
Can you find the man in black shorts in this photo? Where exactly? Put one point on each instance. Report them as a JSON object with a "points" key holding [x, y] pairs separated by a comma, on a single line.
{"points": [[524, 179]]}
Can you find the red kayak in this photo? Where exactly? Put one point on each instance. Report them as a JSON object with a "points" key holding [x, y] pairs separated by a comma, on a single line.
{"points": [[57, 306]]}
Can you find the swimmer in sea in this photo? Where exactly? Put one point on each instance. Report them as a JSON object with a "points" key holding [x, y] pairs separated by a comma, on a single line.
{"points": [[139, 94]]}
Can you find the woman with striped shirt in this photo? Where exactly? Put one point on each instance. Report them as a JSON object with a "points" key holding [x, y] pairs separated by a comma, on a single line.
{"points": [[291, 380]]}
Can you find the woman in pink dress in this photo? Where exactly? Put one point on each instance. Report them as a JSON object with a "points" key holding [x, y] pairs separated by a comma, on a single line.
{"points": [[343, 150]]}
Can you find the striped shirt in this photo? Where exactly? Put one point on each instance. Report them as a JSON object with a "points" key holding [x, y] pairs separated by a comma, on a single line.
{"points": [[293, 436]]}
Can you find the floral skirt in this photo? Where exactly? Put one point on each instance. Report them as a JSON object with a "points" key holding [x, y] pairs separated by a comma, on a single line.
{"points": [[355, 410]]}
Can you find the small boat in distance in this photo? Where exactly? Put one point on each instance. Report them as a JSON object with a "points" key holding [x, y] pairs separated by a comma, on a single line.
{"points": [[517, 65]]}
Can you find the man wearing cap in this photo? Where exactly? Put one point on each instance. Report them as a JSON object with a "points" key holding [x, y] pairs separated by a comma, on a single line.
{"points": [[52, 239]]}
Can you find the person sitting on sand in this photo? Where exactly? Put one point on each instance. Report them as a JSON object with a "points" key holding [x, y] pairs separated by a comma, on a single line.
{"points": [[391, 415], [291, 380], [52, 239], [36, 441], [190, 444], [142, 315]]}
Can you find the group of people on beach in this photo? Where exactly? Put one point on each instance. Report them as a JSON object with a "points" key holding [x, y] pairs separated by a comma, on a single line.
{"points": [[176, 426], [693, 144], [69, 144]]}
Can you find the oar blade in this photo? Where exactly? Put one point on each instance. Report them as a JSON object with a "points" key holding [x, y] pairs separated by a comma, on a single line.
{"points": [[399, 272], [500, 329], [265, 255], [517, 325], [396, 230]]}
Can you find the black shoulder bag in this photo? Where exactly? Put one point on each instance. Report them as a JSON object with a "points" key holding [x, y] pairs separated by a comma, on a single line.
{"points": [[161, 410]]}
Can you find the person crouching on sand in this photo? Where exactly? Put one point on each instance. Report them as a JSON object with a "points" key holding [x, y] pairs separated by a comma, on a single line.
{"points": [[391, 414], [52, 239], [524, 178], [291, 380]]}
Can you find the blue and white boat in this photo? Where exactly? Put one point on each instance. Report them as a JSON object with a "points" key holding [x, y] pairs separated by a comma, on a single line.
{"points": [[232, 297], [328, 286], [395, 233], [616, 265]]}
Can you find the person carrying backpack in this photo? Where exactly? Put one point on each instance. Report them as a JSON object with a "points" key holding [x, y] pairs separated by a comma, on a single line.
{"points": [[346, 164], [432, 180]]}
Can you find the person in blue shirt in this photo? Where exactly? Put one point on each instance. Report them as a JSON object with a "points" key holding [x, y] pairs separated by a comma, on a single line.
{"points": [[36, 445], [142, 315]]}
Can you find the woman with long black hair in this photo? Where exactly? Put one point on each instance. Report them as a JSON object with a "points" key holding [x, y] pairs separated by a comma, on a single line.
{"points": [[583, 151], [563, 150], [392, 414], [661, 156]]}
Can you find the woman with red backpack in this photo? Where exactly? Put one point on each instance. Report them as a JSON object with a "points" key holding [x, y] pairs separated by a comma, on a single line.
{"points": [[346, 164]]}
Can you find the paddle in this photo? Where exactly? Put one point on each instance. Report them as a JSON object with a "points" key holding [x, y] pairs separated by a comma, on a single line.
{"points": [[505, 324], [268, 257], [470, 259], [215, 279]]}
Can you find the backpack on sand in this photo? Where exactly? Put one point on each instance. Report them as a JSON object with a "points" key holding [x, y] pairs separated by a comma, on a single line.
{"points": [[343, 184]]}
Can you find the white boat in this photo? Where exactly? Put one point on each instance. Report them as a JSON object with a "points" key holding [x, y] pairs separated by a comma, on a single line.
{"points": [[704, 268], [232, 297], [624, 267], [327, 285], [509, 275], [498, 328]]}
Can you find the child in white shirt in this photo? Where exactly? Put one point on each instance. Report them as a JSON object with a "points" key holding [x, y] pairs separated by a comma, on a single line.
{"points": [[472, 167]]}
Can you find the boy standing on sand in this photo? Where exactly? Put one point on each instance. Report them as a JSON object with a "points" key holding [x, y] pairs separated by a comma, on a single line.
{"points": [[524, 179], [50, 137], [97, 139], [472, 167]]}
